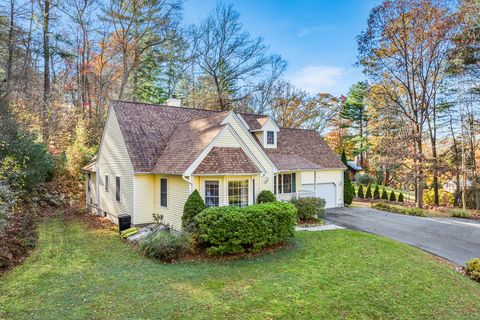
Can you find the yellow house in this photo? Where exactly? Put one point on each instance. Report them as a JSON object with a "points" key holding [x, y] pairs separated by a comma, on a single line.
{"points": [[152, 157]]}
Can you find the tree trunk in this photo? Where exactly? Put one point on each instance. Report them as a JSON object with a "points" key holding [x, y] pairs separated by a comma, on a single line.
{"points": [[46, 70], [11, 45]]}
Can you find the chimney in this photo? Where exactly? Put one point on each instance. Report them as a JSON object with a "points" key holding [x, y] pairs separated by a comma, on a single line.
{"points": [[174, 102]]}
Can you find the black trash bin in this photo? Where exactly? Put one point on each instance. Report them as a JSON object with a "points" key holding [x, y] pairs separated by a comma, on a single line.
{"points": [[124, 222]]}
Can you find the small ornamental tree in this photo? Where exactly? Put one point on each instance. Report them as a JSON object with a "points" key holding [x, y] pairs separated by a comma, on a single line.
{"points": [[400, 197], [266, 196], [368, 194], [193, 206], [392, 196], [347, 184], [376, 192], [384, 194], [360, 193]]}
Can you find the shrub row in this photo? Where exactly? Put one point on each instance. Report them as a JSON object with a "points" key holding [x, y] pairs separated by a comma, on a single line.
{"points": [[376, 194], [400, 210], [232, 230]]}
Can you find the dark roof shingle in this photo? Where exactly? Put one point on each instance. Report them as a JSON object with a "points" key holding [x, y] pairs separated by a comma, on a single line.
{"points": [[226, 160]]}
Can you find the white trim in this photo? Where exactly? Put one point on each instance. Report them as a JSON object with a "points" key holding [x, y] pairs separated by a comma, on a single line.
{"points": [[245, 122], [189, 171], [160, 195], [303, 170], [260, 148], [226, 174], [133, 200], [249, 196]]}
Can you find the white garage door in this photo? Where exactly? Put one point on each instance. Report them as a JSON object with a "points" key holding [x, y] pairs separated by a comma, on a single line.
{"points": [[324, 190]]}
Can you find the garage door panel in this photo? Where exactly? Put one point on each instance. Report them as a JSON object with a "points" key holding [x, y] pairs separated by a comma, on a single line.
{"points": [[324, 190]]}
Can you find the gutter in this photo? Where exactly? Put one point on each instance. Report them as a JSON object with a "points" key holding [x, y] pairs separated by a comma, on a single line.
{"points": [[190, 182]]}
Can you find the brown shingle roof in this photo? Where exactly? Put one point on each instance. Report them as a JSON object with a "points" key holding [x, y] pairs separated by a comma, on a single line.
{"points": [[226, 160], [147, 128], [163, 139], [302, 149], [254, 121], [187, 142]]}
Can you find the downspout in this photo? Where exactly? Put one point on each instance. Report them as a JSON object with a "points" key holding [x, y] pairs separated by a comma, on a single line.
{"points": [[190, 182]]}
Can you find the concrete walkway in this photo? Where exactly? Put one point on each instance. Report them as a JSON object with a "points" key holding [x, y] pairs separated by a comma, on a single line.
{"points": [[457, 240], [319, 228]]}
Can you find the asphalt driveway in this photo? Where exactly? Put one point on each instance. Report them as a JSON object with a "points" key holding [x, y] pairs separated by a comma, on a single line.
{"points": [[456, 240]]}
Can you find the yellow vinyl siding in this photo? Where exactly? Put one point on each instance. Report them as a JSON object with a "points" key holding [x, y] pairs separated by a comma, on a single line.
{"points": [[144, 198], [177, 194], [114, 161], [266, 182]]}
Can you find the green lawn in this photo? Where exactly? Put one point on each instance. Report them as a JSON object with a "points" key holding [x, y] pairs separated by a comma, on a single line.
{"points": [[90, 274]]}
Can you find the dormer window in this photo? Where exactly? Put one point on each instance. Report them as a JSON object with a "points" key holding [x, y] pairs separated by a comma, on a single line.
{"points": [[270, 137]]}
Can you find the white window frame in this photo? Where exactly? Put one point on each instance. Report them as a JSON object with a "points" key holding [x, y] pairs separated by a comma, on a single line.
{"points": [[248, 190], [205, 192], [166, 194], [118, 188], [273, 141]]}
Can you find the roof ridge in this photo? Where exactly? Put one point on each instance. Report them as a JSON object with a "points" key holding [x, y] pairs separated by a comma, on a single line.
{"points": [[167, 106]]}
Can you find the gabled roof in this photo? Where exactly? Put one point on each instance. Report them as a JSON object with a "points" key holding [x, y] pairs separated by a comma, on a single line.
{"points": [[147, 128], [222, 159], [302, 149], [188, 140], [165, 139]]}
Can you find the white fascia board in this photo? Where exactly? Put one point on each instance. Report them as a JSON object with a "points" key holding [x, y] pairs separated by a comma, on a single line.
{"points": [[260, 148]]}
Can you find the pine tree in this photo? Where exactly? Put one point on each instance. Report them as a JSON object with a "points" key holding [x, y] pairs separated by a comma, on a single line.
{"points": [[347, 184], [384, 194], [360, 191], [392, 196], [376, 192], [400, 197], [368, 194]]}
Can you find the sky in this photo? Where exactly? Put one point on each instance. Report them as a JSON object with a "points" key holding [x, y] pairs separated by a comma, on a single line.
{"points": [[316, 38]]}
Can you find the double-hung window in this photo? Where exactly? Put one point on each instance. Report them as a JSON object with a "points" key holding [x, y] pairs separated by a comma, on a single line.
{"points": [[286, 183], [238, 193], [163, 192], [270, 137], [212, 195], [117, 189]]}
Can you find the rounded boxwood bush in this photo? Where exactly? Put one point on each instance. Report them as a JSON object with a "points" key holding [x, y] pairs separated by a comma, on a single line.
{"points": [[193, 206], [232, 230], [266, 196], [473, 268], [309, 207]]}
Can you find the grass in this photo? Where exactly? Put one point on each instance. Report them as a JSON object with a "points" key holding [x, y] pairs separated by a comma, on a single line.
{"points": [[77, 273]]}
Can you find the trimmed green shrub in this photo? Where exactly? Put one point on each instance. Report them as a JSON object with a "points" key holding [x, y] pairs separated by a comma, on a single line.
{"points": [[392, 196], [368, 194], [161, 245], [193, 206], [473, 268], [266, 196], [309, 207], [360, 193], [401, 210], [347, 184], [400, 197], [231, 230], [376, 192], [384, 194], [353, 190]]}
